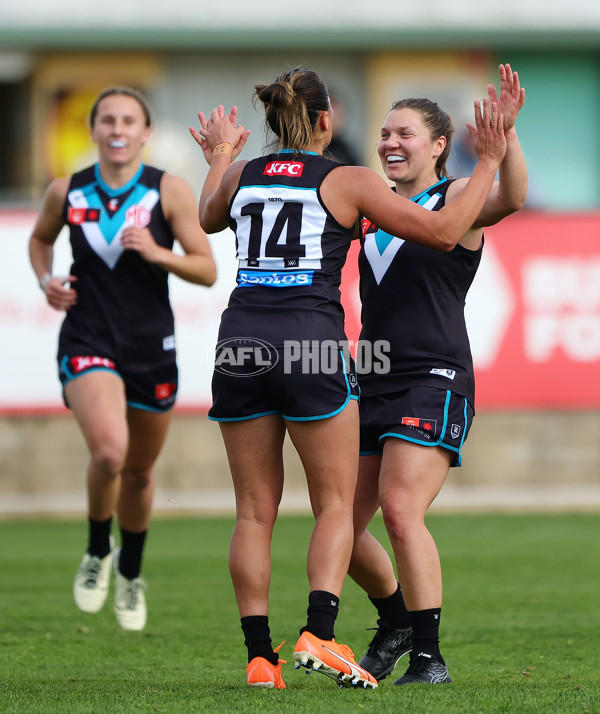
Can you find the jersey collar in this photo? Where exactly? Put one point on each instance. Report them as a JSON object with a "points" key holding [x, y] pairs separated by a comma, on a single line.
{"points": [[116, 191]]}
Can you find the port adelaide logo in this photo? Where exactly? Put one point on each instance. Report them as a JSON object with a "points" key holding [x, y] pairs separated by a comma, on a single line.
{"points": [[244, 356]]}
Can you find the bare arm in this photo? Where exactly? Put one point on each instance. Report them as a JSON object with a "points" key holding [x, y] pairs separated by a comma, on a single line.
{"points": [[41, 247], [508, 194], [219, 185], [351, 190], [179, 206]]}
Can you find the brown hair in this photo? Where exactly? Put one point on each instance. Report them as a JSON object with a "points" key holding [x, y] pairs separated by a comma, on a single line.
{"points": [[127, 92], [437, 121], [292, 106]]}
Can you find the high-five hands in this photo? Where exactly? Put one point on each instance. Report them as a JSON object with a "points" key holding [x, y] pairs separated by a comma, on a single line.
{"points": [[512, 95], [220, 128], [488, 136]]}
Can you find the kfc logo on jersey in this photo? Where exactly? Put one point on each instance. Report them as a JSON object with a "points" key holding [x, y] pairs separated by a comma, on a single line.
{"points": [[367, 227], [138, 216], [284, 168], [77, 216], [80, 364]]}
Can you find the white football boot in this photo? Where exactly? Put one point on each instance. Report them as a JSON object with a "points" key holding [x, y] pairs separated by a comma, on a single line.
{"points": [[90, 588], [130, 599]]}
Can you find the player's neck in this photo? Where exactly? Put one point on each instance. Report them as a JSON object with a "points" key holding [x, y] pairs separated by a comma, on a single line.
{"points": [[408, 189], [117, 175]]}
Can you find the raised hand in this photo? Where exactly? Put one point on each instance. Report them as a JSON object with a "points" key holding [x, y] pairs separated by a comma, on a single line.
{"points": [[488, 136], [512, 95], [220, 128], [200, 140]]}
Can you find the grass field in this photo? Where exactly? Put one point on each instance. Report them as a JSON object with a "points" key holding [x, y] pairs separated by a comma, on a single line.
{"points": [[519, 630]]}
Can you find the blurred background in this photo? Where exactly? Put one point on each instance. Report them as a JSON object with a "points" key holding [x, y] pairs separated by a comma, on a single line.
{"points": [[533, 312]]}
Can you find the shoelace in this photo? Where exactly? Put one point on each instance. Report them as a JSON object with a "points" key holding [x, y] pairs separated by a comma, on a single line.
{"points": [[382, 631], [93, 570], [375, 642], [281, 661], [133, 587]]}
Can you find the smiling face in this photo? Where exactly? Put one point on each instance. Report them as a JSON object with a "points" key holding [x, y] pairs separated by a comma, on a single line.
{"points": [[120, 130], [407, 151]]}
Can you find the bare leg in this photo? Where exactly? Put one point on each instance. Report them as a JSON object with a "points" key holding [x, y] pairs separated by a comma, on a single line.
{"points": [[97, 400], [254, 450], [411, 477], [147, 433], [370, 566], [328, 449]]}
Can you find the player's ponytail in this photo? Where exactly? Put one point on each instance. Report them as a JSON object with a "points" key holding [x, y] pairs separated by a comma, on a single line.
{"points": [[293, 103]]}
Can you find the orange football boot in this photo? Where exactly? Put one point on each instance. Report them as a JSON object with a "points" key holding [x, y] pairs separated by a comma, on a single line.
{"points": [[261, 673], [334, 660]]}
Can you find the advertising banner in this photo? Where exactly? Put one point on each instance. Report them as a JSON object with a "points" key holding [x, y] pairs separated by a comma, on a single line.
{"points": [[533, 315]]}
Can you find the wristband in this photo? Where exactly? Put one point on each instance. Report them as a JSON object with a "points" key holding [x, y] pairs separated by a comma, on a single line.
{"points": [[223, 148], [45, 279]]}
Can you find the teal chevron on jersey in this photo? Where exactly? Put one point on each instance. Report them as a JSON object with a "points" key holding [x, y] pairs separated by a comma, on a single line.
{"points": [[104, 235], [382, 240], [413, 297], [134, 193], [117, 289]]}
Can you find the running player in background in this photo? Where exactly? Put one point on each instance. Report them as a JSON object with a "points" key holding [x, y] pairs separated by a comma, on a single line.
{"points": [[116, 349], [294, 214], [416, 417]]}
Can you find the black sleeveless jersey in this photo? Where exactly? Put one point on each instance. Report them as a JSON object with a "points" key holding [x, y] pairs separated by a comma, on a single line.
{"points": [[414, 297], [290, 249], [122, 310]]}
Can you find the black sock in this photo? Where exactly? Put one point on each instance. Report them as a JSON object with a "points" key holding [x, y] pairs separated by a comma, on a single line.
{"points": [[99, 537], [257, 638], [392, 610], [426, 632], [130, 558], [321, 614]]}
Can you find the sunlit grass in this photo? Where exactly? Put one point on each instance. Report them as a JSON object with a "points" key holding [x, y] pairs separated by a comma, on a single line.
{"points": [[519, 629]]}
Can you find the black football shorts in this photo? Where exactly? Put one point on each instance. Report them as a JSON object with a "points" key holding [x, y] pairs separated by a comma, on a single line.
{"points": [[422, 415], [263, 381], [154, 390]]}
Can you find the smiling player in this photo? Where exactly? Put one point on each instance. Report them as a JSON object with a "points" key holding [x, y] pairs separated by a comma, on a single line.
{"points": [[416, 417], [294, 213], [116, 351]]}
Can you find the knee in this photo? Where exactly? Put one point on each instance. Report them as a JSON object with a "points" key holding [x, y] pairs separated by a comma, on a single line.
{"points": [[256, 510], [262, 517], [108, 459], [397, 522], [137, 479]]}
